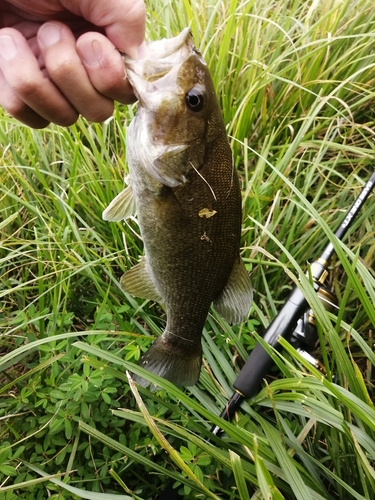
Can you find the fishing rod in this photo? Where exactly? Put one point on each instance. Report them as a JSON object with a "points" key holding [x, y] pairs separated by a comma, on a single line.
{"points": [[285, 322], [293, 323]]}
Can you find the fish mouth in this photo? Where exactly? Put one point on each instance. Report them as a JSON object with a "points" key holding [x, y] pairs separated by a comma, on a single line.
{"points": [[167, 47], [158, 71]]}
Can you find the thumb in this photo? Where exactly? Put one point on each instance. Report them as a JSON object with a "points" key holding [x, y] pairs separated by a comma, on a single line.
{"points": [[124, 21], [127, 32]]}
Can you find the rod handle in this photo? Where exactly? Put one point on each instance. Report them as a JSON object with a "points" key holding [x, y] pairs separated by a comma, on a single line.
{"points": [[259, 362]]}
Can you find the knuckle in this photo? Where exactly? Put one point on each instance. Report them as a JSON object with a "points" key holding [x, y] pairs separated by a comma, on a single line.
{"points": [[24, 85], [100, 113], [114, 86], [60, 68], [108, 88], [12, 104], [21, 112], [27, 100], [65, 120]]}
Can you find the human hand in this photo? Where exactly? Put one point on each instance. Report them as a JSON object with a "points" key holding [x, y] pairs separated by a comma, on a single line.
{"points": [[58, 58]]}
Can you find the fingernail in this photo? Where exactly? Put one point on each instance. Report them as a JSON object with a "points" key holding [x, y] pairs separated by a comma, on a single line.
{"points": [[2, 79], [143, 51], [49, 34], [90, 52], [8, 48], [140, 52]]}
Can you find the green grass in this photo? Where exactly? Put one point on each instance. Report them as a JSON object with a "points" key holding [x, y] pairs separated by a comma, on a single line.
{"points": [[296, 86]]}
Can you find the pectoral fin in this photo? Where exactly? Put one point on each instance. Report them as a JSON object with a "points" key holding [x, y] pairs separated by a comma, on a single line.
{"points": [[138, 282], [121, 207], [234, 302], [171, 167]]}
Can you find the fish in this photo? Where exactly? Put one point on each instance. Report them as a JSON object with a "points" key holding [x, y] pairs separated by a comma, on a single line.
{"points": [[185, 191]]}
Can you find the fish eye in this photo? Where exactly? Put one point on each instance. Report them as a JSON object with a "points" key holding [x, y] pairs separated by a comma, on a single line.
{"points": [[194, 100]]}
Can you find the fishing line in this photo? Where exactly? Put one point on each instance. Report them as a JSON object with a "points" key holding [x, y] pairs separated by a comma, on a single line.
{"points": [[201, 176]]}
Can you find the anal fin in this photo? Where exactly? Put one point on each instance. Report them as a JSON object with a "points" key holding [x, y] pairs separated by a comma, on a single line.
{"points": [[234, 302], [121, 207], [138, 282]]}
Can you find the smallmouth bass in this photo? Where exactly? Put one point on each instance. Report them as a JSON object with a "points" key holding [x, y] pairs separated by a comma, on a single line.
{"points": [[185, 190]]}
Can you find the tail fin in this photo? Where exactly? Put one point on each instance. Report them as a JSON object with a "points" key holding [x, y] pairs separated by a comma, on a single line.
{"points": [[177, 366]]}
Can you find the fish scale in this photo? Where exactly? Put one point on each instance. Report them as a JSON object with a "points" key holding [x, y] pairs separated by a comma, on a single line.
{"points": [[188, 204]]}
